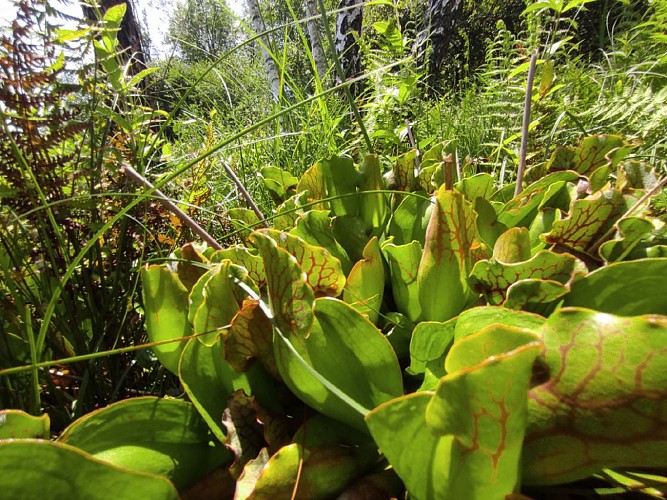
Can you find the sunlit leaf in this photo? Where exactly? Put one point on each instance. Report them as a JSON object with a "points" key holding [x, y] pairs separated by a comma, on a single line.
{"points": [[290, 296], [624, 288], [16, 424], [166, 304], [603, 404], [364, 289], [493, 278], [250, 336], [323, 270], [348, 351], [42, 469], [446, 261]]}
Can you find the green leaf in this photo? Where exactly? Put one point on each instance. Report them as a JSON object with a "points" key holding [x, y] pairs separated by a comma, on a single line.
{"points": [[16, 424], [430, 341], [421, 459], [603, 404], [114, 15], [520, 211], [323, 270], [403, 263], [166, 305], [624, 288], [373, 206], [404, 171], [218, 304], [477, 186], [364, 289], [493, 278], [592, 154], [250, 336], [348, 351], [280, 183], [41, 469], [484, 406], [350, 232], [636, 175], [241, 256], [473, 320], [244, 220], [488, 226], [446, 261], [587, 221], [290, 296], [315, 227], [335, 178], [165, 437], [512, 246], [209, 380], [409, 220], [630, 232]]}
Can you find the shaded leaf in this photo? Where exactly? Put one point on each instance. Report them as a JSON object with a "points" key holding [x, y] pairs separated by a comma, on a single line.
{"points": [[409, 220], [630, 232], [315, 227], [520, 211], [403, 263], [250, 336], [250, 429], [166, 437], [373, 208], [209, 380], [328, 456], [512, 246]]}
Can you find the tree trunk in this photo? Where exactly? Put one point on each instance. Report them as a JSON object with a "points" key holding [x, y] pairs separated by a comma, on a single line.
{"points": [[269, 64], [348, 29], [315, 39], [435, 36], [129, 36]]}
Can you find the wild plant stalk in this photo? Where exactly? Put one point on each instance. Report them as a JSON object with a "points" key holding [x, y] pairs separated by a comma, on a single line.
{"points": [[526, 122]]}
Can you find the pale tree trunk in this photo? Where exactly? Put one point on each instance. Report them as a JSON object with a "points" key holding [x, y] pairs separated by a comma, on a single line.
{"points": [[129, 37], [315, 39], [269, 64], [348, 29], [435, 36]]}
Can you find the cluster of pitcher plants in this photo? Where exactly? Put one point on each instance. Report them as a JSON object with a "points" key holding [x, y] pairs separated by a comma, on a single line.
{"points": [[419, 330]]}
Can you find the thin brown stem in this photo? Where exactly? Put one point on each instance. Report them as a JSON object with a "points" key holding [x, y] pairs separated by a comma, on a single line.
{"points": [[185, 218], [526, 122], [245, 194]]}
